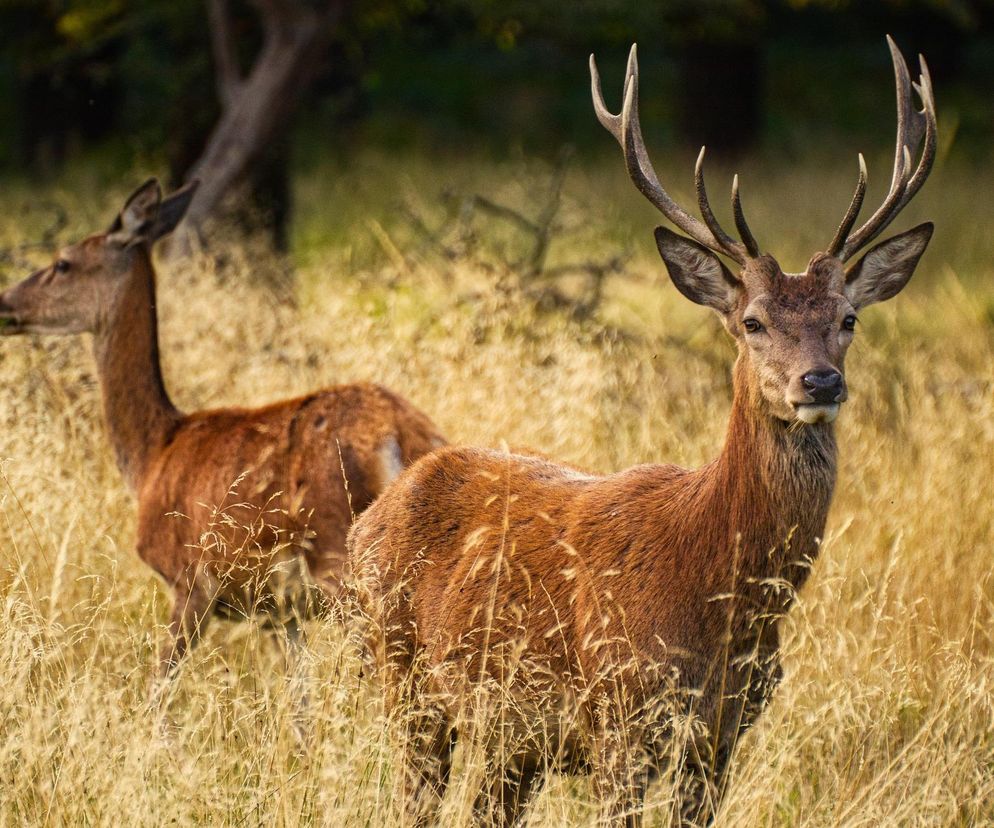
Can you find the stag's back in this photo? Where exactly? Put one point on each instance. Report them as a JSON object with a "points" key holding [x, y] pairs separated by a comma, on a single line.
{"points": [[475, 559]]}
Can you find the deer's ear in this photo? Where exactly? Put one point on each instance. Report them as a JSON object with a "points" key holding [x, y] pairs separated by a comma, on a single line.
{"points": [[172, 209], [138, 215], [886, 269], [697, 272]]}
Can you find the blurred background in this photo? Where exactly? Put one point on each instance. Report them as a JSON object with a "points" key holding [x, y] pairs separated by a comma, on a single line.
{"points": [[253, 95]]}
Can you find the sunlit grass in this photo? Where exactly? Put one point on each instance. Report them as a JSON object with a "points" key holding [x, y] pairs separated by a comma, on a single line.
{"points": [[885, 716]]}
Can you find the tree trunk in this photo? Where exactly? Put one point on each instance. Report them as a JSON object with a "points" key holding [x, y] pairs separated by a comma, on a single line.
{"points": [[256, 109]]}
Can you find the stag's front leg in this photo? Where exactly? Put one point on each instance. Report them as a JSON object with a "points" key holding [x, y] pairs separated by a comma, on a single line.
{"points": [[621, 774], [703, 778], [426, 762], [505, 795]]}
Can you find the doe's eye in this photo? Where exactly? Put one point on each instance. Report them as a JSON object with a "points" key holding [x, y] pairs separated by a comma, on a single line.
{"points": [[752, 325], [849, 323], [61, 266]]}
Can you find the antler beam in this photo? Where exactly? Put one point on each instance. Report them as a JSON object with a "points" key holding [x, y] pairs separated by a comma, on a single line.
{"points": [[628, 133], [912, 127]]}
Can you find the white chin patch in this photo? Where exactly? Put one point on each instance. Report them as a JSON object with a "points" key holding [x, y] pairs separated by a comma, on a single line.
{"points": [[812, 414]]}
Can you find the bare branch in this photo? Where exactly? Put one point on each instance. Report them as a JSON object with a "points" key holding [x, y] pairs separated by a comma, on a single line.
{"points": [[223, 47], [296, 35]]}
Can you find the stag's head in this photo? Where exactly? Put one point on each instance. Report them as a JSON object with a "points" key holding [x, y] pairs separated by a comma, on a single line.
{"points": [[792, 330], [75, 293]]}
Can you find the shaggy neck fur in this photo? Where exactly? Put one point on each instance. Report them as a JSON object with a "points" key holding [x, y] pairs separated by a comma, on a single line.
{"points": [[139, 414], [771, 487]]}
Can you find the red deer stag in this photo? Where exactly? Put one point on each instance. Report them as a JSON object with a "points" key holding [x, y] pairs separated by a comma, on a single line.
{"points": [[303, 466], [617, 612]]}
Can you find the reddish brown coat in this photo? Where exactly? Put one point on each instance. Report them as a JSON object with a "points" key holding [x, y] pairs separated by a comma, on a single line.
{"points": [[612, 613], [473, 558], [224, 496]]}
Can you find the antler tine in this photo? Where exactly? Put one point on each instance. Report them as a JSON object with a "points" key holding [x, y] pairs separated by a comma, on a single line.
{"points": [[612, 123], [704, 204], [912, 126], [852, 213], [751, 245], [628, 132], [924, 90], [908, 129]]}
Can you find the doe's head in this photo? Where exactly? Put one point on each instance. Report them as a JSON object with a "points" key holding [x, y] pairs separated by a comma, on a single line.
{"points": [[792, 330], [75, 292]]}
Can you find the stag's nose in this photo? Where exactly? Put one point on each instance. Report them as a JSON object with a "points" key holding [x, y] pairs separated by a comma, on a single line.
{"points": [[824, 386]]}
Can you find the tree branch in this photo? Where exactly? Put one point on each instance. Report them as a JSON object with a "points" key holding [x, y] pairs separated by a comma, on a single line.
{"points": [[296, 34], [228, 76]]}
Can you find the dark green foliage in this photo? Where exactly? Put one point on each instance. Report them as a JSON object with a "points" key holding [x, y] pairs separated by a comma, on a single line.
{"points": [[138, 74]]}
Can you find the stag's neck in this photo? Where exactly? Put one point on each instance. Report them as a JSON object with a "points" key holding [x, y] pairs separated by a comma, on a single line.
{"points": [[141, 418], [774, 482]]}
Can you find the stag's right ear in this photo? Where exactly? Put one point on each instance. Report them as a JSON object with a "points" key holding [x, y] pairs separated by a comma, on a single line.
{"points": [[697, 272], [137, 216], [172, 210]]}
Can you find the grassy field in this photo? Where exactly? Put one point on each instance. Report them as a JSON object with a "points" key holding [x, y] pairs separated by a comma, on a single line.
{"points": [[886, 713]]}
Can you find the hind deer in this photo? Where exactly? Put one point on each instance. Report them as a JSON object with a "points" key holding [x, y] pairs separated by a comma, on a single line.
{"points": [[303, 466], [616, 613]]}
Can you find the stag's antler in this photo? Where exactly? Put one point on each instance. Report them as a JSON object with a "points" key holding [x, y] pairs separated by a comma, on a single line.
{"points": [[912, 127], [628, 132]]}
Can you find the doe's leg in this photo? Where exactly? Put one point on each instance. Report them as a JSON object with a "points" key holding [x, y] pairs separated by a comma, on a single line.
{"points": [[295, 663], [192, 606]]}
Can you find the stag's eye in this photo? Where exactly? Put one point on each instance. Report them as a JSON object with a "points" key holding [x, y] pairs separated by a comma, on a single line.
{"points": [[849, 323], [752, 325], [61, 266]]}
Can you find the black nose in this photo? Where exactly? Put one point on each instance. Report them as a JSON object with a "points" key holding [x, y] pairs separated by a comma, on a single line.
{"points": [[824, 387]]}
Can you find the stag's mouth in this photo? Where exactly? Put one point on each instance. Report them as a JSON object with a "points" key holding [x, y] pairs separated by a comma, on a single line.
{"points": [[812, 413]]}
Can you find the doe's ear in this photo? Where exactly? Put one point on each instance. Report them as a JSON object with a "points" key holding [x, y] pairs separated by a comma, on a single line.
{"points": [[697, 272], [138, 214], [886, 268], [172, 209]]}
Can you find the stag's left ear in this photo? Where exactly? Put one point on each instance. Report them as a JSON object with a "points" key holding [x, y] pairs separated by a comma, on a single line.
{"points": [[886, 269]]}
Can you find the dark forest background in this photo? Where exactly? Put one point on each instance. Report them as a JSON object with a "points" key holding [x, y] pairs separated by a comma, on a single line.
{"points": [[242, 92]]}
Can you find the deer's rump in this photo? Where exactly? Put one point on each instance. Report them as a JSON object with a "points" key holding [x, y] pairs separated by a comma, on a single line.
{"points": [[244, 494]]}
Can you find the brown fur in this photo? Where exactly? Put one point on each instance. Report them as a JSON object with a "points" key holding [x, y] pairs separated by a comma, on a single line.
{"points": [[228, 499], [604, 616], [609, 608]]}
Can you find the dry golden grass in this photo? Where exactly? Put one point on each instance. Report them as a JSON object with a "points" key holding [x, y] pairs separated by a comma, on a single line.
{"points": [[886, 714]]}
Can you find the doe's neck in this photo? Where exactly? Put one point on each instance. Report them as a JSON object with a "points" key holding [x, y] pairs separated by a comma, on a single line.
{"points": [[140, 416]]}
